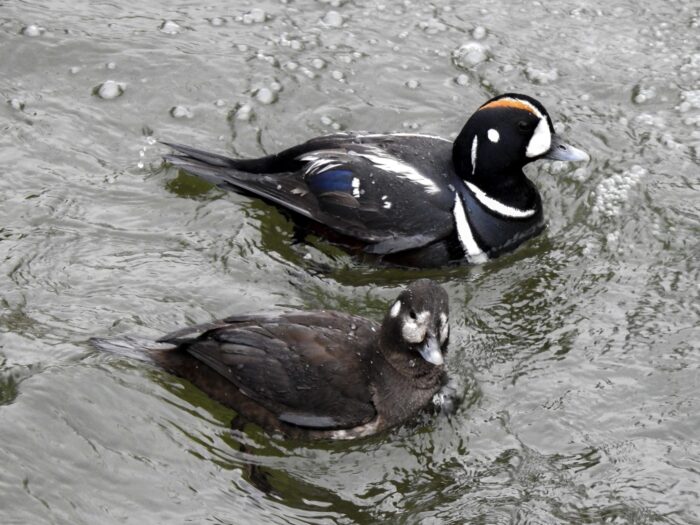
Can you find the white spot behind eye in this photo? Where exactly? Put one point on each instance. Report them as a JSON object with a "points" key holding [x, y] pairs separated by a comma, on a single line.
{"points": [[475, 143], [493, 135], [541, 140], [414, 330], [395, 309]]}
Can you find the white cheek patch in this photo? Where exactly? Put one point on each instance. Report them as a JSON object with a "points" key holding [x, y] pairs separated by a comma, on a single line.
{"points": [[493, 135], [395, 309], [444, 328], [414, 330], [541, 140]]}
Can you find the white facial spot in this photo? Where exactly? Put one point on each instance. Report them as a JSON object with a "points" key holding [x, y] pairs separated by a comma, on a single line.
{"points": [[493, 135], [444, 327], [541, 140], [395, 309], [387, 205], [414, 330], [356, 187], [475, 143]]}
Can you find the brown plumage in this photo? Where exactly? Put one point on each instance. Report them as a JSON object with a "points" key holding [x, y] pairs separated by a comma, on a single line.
{"points": [[313, 375]]}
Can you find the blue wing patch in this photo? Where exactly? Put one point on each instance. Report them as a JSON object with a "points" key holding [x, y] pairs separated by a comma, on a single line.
{"points": [[331, 180]]}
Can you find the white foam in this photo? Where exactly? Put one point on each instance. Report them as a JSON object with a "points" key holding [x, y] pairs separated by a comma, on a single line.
{"points": [[612, 193]]}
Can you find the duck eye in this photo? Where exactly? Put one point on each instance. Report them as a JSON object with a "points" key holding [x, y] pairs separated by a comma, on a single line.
{"points": [[412, 315], [523, 125]]}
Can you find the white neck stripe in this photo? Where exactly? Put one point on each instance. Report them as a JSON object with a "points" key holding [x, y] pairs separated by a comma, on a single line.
{"points": [[498, 207], [464, 232]]}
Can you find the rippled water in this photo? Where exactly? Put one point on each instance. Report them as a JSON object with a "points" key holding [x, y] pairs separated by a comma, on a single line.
{"points": [[579, 353]]}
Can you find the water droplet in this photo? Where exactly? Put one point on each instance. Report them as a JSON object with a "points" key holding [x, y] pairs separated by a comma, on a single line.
{"points": [[333, 19], [462, 80], [266, 96], [181, 112], [255, 16], [479, 33], [109, 90], [469, 55], [338, 75], [33, 30], [16, 104], [170, 28], [318, 63], [412, 84], [541, 76]]}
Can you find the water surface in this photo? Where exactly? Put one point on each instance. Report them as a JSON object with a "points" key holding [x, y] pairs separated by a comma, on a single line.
{"points": [[578, 353]]}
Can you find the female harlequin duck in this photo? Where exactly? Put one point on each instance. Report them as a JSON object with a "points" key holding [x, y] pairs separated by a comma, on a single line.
{"points": [[414, 200], [313, 375]]}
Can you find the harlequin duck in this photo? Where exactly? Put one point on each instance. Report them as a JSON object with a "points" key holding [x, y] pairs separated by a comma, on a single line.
{"points": [[313, 375], [415, 200]]}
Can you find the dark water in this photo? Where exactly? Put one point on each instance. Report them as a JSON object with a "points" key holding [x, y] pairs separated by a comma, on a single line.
{"points": [[579, 353]]}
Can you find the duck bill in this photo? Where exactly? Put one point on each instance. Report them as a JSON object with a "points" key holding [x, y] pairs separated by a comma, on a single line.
{"points": [[560, 150], [430, 351]]}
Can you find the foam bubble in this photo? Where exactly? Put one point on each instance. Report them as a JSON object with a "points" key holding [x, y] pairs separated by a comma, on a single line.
{"points": [[16, 104], [244, 112], [469, 55], [255, 16], [170, 28], [333, 19], [109, 90], [541, 76], [33, 30], [612, 193], [265, 95], [181, 112], [479, 33]]}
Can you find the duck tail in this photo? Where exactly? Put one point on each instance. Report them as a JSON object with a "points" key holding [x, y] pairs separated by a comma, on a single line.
{"points": [[132, 347]]}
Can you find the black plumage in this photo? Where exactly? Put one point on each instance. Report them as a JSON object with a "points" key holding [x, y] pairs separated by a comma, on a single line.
{"points": [[313, 375], [411, 199]]}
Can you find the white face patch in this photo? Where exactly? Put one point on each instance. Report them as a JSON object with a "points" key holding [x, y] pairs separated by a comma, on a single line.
{"points": [[414, 330], [541, 140], [493, 135], [395, 309], [444, 328], [498, 207], [464, 232], [475, 144]]}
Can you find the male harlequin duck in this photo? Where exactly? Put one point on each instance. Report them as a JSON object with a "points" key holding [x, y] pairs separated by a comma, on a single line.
{"points": [[412, 199], [313, 375]]}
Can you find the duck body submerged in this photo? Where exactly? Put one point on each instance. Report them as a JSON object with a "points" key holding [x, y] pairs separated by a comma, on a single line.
{"points": [[411, 199]]}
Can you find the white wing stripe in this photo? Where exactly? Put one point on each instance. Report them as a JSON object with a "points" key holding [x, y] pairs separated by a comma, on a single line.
{"points": [[403, 170]]}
